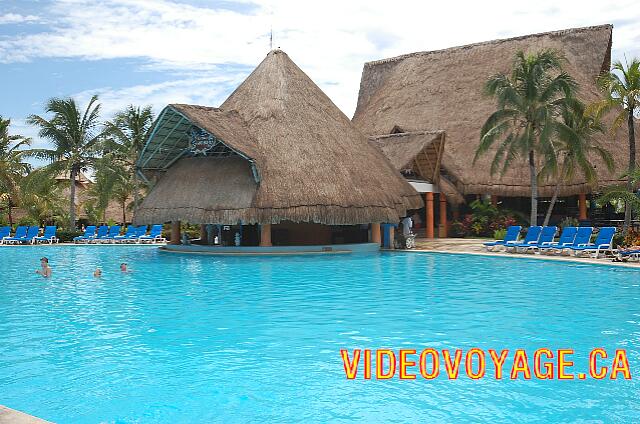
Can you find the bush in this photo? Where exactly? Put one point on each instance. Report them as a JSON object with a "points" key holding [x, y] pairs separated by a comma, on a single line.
{"points": [[631, 238], [67, 236], [27, 221], [569, 221], [499, 234], [484, 221]]}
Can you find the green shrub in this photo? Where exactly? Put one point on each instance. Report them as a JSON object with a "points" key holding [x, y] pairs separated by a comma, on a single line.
{"points": [[628, 239], [67, 236], [499, 234], [569, 221], [484, 220], [27, 221]]}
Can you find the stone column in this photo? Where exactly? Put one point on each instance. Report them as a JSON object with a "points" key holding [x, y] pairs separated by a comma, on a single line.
{"points": [[428, 197], [442, 229], [175, 232], [582, 206], [494, 200], [375, 233], [392, 236], [265, 235]]}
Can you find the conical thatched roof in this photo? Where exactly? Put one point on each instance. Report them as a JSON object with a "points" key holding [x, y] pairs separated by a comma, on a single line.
{"points": [[443, 90], [303, 159]]}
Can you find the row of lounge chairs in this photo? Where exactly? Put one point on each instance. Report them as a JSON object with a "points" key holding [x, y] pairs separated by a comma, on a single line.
{"points": [[106, 234], [573, 240], [28, 235]]}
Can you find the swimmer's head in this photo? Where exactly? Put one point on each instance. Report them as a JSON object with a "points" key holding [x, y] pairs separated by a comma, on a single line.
{"points": [[44, 260]]}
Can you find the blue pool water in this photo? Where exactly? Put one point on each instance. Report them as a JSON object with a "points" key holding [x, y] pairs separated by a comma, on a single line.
{"points": [[248, 339]]}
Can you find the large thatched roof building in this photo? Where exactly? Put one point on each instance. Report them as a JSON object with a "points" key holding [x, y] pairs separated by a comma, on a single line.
{"points": [[277, 151], [443, 90]]}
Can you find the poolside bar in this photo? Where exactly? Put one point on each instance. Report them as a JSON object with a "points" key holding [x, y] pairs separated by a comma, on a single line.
{"points": [[277, 164]]}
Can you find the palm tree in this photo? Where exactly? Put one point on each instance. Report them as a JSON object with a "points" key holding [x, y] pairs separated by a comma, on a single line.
{"points": [[622, 193], [128, 133], [621, 87], [76, 138], [101, 191], [575, 145], [12, 165], [528, 104], [41, 200], [122, 191]]}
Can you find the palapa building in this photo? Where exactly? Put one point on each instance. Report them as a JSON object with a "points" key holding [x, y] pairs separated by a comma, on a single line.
{"points": [[443, 91], [277, 160]]}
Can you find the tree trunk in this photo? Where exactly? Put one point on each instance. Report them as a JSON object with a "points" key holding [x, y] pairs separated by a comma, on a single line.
{"points": [[554, 197], [632, 167], [10, 204], [534, 188], [124, 213], [72, 200]]}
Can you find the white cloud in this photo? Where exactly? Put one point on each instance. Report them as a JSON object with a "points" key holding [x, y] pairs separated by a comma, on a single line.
{"points": [[330, 40], [209, 90], [14, 18]]}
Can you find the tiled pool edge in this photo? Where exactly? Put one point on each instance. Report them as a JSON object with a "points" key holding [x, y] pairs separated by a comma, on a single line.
{"points": [[11, 416], [474, 247]]}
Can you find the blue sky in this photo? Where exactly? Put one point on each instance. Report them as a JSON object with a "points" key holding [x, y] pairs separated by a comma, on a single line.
{"points": [[197, 51]]}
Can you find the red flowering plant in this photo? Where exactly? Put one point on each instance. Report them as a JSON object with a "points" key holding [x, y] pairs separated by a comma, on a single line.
{"points": [[484, 220]]}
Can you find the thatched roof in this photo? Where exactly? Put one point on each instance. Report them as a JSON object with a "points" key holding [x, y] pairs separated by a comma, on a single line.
{"points": [[81, 178], [443, 90], [419, 152], [206, 189], [308, 163]]}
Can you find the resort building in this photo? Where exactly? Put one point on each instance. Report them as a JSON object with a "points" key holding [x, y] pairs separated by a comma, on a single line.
{"points": [[276, 164], [441, 92]]}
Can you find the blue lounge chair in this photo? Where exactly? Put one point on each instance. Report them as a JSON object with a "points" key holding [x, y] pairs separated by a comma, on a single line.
{"points": [[141, 231], [546, 237], [21, 232], [533, 234], [583, 236], [624, 255], [602, 243], [114, 231], [89, 234], [567, 238], [155, 235], [131, 232], [103, 230], [49, 235], [32, 233], [4, 232], [513, 232]]}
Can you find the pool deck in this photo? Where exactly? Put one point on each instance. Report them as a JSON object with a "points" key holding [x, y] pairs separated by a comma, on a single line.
{"points": [[11, 416], [475, 247]]}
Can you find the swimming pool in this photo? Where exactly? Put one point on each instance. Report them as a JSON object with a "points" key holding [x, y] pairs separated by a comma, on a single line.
{"points": [[234, 339]]}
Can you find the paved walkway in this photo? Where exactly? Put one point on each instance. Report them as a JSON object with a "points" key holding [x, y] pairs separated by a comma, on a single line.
{"points": [[474, 246], [11, 416]]}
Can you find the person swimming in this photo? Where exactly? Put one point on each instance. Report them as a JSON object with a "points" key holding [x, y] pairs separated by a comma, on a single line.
{"points": [[123, 267], [97, 273], [45, 270]]}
